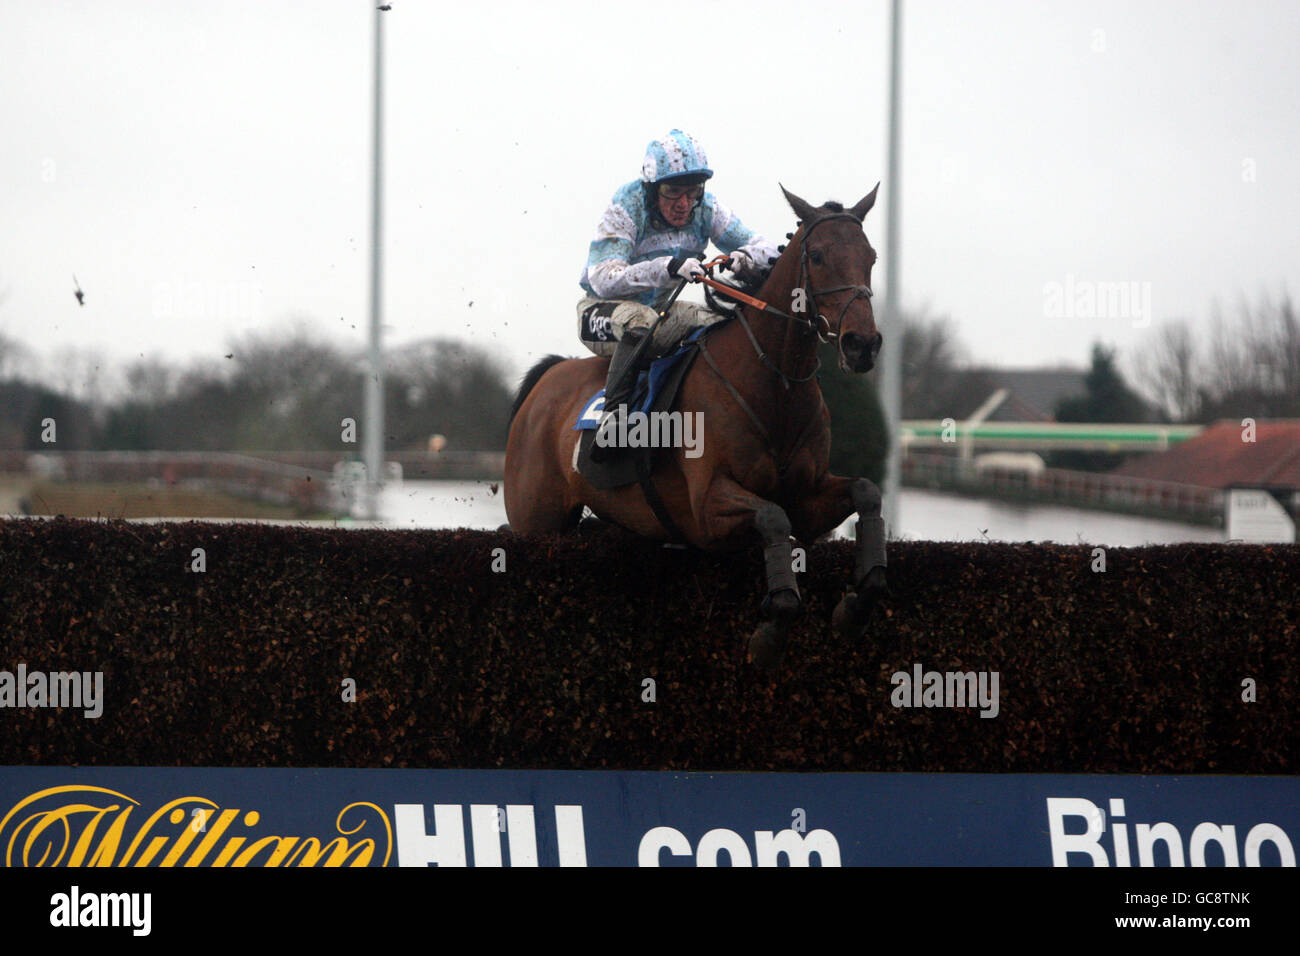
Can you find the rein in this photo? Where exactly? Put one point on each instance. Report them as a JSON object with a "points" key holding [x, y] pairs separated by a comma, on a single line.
{"points": [[821, 325], [733, 292]]}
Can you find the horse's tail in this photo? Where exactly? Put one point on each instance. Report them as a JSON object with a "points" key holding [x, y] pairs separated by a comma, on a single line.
{"points": [[530, 380]]}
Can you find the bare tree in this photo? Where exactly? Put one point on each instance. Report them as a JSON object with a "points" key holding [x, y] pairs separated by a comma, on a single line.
{"points": [[149, 381], [930, 356], [1252, 366], [1166, 369], [291, 389], [15, 358], [1283, 349], [453, 388], [77, 372]]}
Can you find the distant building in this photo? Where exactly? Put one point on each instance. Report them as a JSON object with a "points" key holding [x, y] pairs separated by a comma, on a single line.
{"points": [[1032, 393], [1219, 458]]}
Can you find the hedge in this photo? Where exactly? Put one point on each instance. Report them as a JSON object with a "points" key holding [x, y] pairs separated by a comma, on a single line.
{"points": [[486, 649]]}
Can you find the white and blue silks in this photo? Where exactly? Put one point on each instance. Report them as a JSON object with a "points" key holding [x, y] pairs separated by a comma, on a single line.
{"points": [[629, 256]]}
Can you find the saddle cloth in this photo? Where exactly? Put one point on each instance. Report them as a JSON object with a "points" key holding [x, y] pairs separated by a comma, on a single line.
{"points": [[656, 391], [649, 384]]}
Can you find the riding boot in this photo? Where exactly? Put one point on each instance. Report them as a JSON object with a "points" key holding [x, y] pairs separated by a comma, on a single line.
{"points": [[618, 392]]}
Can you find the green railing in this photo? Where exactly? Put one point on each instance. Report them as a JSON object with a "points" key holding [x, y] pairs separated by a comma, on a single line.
{"points": [[1045, 435]]}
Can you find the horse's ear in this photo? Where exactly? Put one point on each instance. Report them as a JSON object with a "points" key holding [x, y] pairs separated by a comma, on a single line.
{"points": [[801, 208], [864, 204]]}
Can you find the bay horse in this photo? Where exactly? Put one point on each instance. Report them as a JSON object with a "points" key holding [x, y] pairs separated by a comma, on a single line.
{"points": [[763, 473]]}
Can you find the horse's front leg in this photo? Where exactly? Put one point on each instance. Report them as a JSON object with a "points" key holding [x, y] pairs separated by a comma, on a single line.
{"points": [[833, 500], [728, 511]]}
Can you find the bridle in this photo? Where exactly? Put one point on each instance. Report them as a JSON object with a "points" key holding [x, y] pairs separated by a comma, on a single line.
{"points": [[820, 325], [859, 291]]}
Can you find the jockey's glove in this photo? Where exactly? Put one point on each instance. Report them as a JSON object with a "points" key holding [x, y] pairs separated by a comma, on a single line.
{"points": [[740, 262], [684, 267]]}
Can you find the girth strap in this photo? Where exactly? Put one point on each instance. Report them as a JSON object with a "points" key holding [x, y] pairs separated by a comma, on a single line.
{"points": [[644, 467]]}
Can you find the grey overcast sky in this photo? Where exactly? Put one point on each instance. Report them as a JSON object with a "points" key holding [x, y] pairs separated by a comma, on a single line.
{"points": [[203, 167]]}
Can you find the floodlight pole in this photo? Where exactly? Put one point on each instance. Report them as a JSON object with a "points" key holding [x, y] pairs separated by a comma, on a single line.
{"points": [[891, 365], [373, 431]]}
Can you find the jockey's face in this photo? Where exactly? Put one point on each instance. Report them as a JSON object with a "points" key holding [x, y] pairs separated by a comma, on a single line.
{"points": [[676, 203]]}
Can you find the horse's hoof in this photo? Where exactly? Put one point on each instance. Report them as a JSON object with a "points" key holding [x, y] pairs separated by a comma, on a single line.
{"points": [[783, 605], [767, 645], [847, 619], [850, 618], [875, 587]]}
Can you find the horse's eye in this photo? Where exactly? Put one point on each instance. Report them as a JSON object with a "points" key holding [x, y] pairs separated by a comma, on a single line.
{"points": [[815, 258]]}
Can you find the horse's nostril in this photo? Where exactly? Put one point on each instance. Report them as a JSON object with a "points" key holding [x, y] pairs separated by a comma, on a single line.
{"points": [[856, 344]]}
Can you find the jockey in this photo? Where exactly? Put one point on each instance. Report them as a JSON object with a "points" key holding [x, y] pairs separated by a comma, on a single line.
{"points": [[651, 237]]}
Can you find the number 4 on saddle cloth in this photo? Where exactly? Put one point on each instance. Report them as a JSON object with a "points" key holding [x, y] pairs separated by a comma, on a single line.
{"points": [[656, 391]]}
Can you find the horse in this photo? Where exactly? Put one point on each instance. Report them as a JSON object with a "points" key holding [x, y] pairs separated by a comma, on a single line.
{"points": [[764, 468]]}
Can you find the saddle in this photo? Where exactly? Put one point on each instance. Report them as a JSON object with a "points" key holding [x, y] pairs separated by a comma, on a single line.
{"points": [[656, 391]]}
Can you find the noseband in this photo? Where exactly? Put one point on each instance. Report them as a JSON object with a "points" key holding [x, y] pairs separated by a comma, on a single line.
{"points": [[825, 331]]}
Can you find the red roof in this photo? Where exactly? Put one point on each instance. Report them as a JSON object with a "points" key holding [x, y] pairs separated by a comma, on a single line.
{"points": [[1218, 458]]}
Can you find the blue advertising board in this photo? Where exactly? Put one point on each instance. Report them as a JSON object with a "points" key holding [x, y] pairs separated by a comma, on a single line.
{"points": [[213, 817]]}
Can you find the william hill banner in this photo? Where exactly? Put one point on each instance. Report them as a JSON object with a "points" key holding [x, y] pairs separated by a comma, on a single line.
{"points": [[205, 817]]}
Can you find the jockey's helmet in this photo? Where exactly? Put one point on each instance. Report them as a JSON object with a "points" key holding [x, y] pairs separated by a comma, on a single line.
{"points": [[677, 158]]}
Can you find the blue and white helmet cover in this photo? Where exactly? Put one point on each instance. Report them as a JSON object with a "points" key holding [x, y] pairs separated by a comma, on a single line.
{"points": [[673, 156]]}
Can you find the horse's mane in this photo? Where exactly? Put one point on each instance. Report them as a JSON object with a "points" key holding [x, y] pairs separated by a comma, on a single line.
{"points": [[529, 380]]}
